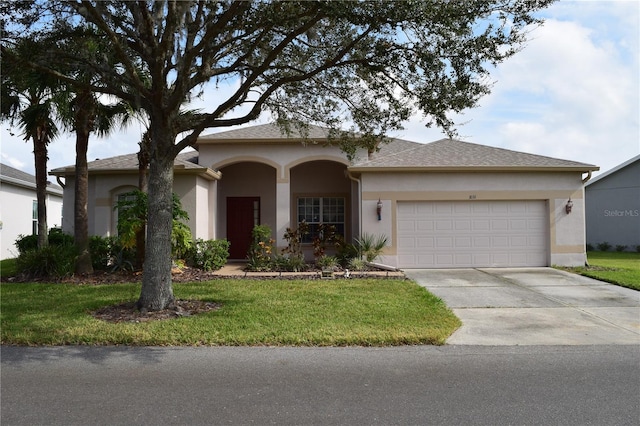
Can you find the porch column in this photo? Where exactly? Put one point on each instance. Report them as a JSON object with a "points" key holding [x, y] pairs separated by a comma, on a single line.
{"points": [[283, 210]]}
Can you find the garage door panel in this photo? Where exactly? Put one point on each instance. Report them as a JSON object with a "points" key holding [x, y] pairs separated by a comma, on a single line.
{"points": [[472, 234]]}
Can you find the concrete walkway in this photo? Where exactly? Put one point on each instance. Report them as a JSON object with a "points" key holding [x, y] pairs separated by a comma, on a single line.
{"points": [[534, 306]]}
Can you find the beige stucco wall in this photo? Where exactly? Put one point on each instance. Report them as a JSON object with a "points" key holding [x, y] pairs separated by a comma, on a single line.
{"points": [[248, 179], [239, 163], [193, 191], [566, 231]]}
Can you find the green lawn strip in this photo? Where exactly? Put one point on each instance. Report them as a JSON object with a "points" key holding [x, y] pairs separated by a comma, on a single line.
{"points": [[8, 268], [376, 312], [621, 268]]}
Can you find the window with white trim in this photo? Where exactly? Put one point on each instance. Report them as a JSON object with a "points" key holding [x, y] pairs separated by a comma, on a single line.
{"points": [[321, 210], [34, 217]]}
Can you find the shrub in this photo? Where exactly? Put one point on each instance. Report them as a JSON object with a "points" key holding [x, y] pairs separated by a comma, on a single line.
{"points": [[181, 240], [25, 243], [57, 238], [621, 247], [294, 239], [370, 246], [288, 264], [327, 262], [357, 264], [210, 255], [327, 235], [102, 249], [604, 246], [132, 218], [107, 253], [638, 248], [52, 262], [260, 251], [589, 247]]}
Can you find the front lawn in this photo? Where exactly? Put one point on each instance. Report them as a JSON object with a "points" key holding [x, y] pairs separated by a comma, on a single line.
{"points": [[8, 268], [369, 312], [621, 268]]}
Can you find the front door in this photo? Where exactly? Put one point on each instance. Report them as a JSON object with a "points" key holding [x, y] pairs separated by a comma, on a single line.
{"points": [[243, 213]]}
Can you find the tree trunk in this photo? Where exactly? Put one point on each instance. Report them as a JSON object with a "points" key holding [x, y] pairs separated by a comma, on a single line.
{"points": [[143, 186], [40, 158], [157, 292], [83, 123]]}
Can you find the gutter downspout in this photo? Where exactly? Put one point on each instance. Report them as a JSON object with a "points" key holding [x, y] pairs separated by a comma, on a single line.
{"points": [[62, 185], [359, 183], [584, 225]]}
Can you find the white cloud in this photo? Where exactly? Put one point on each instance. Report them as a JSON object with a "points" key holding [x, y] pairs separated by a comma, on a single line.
{"points": [[572, 93]]}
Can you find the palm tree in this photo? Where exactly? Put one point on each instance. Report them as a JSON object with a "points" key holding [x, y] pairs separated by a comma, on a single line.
{"points": [[28, 100], [82, 112]]}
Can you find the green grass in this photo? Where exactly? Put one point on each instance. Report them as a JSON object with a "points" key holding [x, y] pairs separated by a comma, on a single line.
{"points": [[371, 312], [8, 268], [621, 268]]}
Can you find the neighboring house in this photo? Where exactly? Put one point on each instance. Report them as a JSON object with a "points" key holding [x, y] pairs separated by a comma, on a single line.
{"points": [[613, 206], [445, 204], [19, 208]]}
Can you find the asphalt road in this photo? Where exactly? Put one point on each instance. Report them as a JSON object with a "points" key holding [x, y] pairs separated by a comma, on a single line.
{"points": [[448, 385]]}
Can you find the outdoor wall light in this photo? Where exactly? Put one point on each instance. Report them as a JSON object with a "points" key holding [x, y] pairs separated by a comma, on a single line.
{"points": [[379, 209], [569, 206]]}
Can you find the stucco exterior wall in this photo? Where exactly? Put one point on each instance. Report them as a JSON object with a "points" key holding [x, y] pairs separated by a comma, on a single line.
{"points": [[103, 192], [566, 231], [277, 206], [16, 215], [247, 180], [613, 209]]}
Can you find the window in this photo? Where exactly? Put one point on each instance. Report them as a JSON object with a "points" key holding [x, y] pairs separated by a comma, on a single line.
{"points": [[321, 210], [34, 218], [124, 197]]}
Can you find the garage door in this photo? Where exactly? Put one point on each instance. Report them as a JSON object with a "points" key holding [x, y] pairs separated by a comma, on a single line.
{"points": [[458, 234]]}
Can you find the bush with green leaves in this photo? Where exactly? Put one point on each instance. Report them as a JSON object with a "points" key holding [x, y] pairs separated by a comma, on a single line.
{"points": [[589, 247], [57, 238], [604, 246], [210, 255], [132, 218], [327, 262], [621, 247], [284, 263], [107, 253], [357, 264], [51, 262]]}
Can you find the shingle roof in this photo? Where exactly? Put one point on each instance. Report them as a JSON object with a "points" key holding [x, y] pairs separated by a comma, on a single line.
{"points": [[11, 175], [455, 154], [264, 132], [129, 162], [396, 155]]}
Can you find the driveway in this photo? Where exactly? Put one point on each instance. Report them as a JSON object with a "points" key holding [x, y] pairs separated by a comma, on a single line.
{"points": [[534, 306]]}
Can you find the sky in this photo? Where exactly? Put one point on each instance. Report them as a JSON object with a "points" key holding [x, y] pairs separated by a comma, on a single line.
{"points": [[572, 93]]}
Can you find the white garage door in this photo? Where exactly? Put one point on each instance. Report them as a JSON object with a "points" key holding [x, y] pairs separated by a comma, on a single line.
{"points": [[458, 234]]}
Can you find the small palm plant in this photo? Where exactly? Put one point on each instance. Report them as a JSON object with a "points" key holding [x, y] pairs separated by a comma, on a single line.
{"points": [[370, 246]]}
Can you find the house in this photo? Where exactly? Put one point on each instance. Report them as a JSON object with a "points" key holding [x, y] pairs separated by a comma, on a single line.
{"points": [[612, 202], [445, 204], [19, 208]]}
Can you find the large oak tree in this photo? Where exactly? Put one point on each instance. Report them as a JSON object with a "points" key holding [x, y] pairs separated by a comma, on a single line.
{"points": [[369, 64]]}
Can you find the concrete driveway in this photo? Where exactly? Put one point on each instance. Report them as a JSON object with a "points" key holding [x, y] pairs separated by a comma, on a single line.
{"points": [[534, 306]]}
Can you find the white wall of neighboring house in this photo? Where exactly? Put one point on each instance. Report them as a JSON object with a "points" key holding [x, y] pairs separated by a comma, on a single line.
{"points": [[16, 213]]}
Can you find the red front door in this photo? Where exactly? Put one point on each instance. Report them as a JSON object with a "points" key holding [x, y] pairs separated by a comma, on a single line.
{"points": [[243, 213]]}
